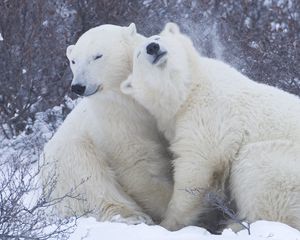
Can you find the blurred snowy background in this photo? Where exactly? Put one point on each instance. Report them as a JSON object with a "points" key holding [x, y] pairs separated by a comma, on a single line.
{"points": [[261, 38]]}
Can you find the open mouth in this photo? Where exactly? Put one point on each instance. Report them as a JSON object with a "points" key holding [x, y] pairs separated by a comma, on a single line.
{"points": [[158, 57]]}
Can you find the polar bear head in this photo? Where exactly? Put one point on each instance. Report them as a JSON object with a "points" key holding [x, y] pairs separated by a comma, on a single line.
{"points": [[162, 70], [102, 58]]}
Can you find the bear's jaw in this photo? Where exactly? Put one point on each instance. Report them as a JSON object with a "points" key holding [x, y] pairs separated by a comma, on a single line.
{"points": [[98, 89], [163, 109], [168, 109], [159, 58]]}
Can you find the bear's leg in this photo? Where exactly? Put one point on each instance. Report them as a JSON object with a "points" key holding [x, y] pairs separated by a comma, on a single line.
{"points": [[193, 180], [265, 182], [146, 176], [97, 186], [204, 152]]}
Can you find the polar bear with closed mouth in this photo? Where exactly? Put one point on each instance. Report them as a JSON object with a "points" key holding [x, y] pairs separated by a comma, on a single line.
{"points": [[221, 126], [109, 139]]}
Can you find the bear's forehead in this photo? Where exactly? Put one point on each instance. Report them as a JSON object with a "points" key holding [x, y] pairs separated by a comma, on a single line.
{"points": [[100, 34], [88, 44], [93, 42]]}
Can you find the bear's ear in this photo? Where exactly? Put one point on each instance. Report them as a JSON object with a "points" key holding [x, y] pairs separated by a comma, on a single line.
{"points": [[126, 86], [69, 50], [171, 27], [132, 29]]}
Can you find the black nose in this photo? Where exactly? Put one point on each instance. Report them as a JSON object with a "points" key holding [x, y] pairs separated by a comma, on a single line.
{"points": [[78, 89], [152, 48]]}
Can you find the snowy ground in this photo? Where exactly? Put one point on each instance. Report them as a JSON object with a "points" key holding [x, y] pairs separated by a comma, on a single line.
{"points": [[90, 229]]}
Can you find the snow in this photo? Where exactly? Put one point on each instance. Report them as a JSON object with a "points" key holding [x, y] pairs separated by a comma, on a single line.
{"points": [[218, 48], [248, 22], [147, 3], [254, 44], [90, 229], [267, 3], [279, 27], [65, 11], [1, 38], [45, 23], [42, 130]]}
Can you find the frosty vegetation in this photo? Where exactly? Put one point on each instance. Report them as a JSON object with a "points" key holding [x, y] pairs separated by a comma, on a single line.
{"points": [[25, 209], [261, 38], [24, 212]]}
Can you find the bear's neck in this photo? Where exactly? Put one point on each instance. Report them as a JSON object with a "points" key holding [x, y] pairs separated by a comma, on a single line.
{"points": [[174, 104], [165, 106]]}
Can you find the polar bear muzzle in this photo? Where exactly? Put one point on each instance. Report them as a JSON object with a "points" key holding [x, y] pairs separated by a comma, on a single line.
{"points": [[78, 89], [82, 90], [154, 50]]}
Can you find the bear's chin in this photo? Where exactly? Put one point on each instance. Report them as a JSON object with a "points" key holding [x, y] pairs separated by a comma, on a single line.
{"points": [[98, 89], [160, 59]]}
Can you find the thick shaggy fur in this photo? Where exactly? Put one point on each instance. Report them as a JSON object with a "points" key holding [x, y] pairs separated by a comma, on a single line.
{"points": [[220, 125], [108, 138]]}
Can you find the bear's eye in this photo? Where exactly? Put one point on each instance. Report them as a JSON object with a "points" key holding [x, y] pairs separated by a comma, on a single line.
{"points": [[156, 39], [98, 56], [73, 62]]}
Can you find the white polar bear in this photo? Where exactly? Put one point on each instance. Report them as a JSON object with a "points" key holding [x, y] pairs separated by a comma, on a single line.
{"points": [[220, 124], [108, 138]]}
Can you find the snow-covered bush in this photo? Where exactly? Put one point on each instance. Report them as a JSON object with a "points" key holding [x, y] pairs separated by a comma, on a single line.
{"points": [[260, 38], [25, 209]]}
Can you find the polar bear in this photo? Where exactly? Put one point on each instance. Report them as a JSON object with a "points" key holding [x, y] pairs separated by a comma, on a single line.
{"points": [[109, 150], [222, 126]]}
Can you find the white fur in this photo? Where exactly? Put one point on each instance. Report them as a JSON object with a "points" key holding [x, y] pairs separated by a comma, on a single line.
{"points": [[108, 138], [221, 124]]}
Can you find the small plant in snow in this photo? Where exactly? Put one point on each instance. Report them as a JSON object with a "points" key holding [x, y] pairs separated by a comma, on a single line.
{"points": [[220, 203], [25, 210]]}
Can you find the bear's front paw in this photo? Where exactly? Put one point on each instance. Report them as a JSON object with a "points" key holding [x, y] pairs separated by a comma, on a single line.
{"points": [[171, 225], [133, 219]]}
